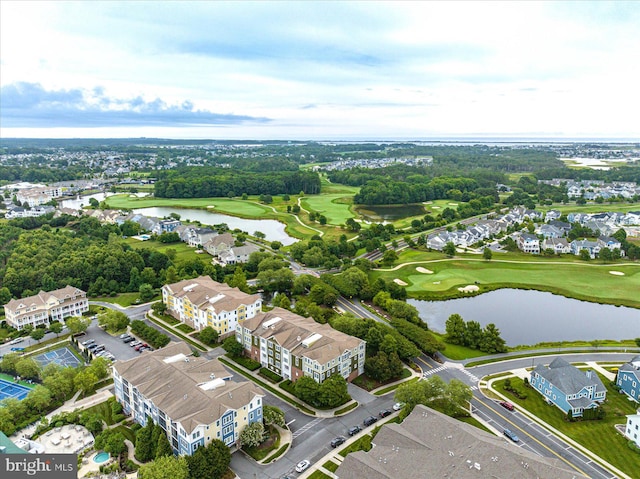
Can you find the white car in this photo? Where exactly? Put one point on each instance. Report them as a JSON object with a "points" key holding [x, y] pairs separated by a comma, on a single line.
{"points": [[397, 406], [302, 466]]}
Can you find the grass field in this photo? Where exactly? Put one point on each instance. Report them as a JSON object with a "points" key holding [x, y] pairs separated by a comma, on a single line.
{"points": [[336, 207], [183, 251], [597, 436], [589, 281]]}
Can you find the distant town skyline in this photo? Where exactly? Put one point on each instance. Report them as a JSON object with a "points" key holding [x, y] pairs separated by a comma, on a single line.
{"points": [[320, 70]]}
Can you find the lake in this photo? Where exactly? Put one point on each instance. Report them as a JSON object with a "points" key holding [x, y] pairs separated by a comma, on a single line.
{"points": [[530, 317], [78, 203], [389, 212], [273, 230]]}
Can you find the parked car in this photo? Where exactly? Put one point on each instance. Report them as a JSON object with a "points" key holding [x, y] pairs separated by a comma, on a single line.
{"points": [[125, 335], [129, 339], [354, 430], [370, 420], [303, 465], [385, 413], [338, 441], [397, 406], [92, 346], [133, 344], [511, 435], [140, 346], [99, 348], [16, 340], [507, 405]]}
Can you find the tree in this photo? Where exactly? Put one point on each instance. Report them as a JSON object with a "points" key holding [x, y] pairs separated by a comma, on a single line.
{"points": [[276, 245], [584, 255], [113, 320], [210, 462], [146, 292], [473, 335], [37, 334], [77, 325], [208, 336], [159, 308], [163, 448], [27, 368], [252, 435], [333, 391], [232, 346], [144, 446], [168, 467], [455, 329], [85, 381], [239, 280], [307, 389], [39, 398], [389, 257], [491, 341], [487, 254], [56, 327], [449, 249], [273, 415]]}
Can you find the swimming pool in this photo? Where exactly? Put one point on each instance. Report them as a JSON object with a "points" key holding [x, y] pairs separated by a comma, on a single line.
{"points": [[101, 457]]}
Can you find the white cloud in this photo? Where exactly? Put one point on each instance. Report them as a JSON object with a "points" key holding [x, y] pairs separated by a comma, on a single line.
{"points": [[371, 69]]}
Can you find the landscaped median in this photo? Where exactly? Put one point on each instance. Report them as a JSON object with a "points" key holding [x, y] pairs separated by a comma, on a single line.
{"points": [[597, 439], [153, 318]]}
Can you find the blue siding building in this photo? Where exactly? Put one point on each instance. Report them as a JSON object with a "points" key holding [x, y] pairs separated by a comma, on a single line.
{"points": [[628, 379], [569, 388]]}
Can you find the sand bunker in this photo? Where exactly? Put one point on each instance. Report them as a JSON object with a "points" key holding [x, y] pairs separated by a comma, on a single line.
{"points": [[435, 207], [616, 273], [436, 282], [420, 269], [469, 289], [452, 204], [399, 282], [211, 206]]}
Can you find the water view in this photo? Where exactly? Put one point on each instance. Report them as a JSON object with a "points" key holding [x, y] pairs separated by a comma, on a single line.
{"points": [[389, 212], [273, 230], [529, 317], [79, 202]]}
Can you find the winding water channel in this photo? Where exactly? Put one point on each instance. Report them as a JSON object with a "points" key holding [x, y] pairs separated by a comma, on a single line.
{"points": [[530, 317]]}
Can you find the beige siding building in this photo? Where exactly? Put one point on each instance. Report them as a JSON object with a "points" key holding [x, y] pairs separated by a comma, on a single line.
{"points": [[43, 308], [202, 302], [192, 399], [292, 346]]}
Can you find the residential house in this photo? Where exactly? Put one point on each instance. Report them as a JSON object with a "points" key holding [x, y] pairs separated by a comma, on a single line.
{"points": [[45, 307], [552, 215], [293, 346], [567, 387], [34, 212], [166, 226], [237, 254], [429, 444], [609, 242], [219, 244], [592, 247], [562, 226], [192, 399], [628, 378], [549, 231], [197, 236], [558, 245], [202, 302], [632, 429], [528, 243]]}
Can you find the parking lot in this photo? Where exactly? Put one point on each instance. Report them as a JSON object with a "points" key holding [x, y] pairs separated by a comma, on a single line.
{"points": [[113, 344]]}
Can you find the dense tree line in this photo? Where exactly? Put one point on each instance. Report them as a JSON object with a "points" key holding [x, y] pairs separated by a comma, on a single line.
{"points": [[474, 336], [221, 182], [40, 174]]}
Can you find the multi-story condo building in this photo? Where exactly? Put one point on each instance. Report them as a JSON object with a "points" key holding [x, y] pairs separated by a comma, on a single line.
{"points": [[202, 302], [192, 399], [38, 196], [628, 378], [43, 308], [292, 346]]}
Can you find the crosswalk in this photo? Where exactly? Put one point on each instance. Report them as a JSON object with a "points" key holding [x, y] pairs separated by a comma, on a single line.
{"points": [[306, 427], [433, 371], [474, 379]]}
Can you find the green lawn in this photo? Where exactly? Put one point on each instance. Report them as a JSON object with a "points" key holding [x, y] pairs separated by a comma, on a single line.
{"points": [[183, 251], [122, 299], [263, 450], [330, 466], [590, 281], [597, 436], [336, 207]]}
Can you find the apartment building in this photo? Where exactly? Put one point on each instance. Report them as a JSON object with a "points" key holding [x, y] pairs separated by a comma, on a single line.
{"points": [[45, 307], [202, 302], [192, 399], [292, 346], [38, 196]]}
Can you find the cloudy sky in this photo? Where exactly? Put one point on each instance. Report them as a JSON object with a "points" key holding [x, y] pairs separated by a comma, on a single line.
{"points": [[320, 70]]}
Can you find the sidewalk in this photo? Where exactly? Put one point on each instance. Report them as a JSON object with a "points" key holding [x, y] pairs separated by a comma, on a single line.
{"points": [[285, 438]]}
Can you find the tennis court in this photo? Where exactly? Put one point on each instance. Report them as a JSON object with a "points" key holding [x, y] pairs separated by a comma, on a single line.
{"points": [[62, 356], [9, 389]]}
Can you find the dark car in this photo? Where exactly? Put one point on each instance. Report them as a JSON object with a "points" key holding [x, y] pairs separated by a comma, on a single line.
{"points": [[511, 435], [507, 405], [385, 412], [337, 441], [129, 339], [370, 420], [354, 430]]}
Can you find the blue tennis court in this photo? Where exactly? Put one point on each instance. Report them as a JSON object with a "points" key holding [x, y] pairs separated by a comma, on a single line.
{"points": [[62, 356], [10, 389]]}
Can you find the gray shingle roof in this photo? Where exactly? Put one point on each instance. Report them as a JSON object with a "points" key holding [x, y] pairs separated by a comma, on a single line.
{"points": [[429, 444], [568, 378]]}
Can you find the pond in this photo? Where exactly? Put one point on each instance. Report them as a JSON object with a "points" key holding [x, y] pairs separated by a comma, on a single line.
{"points": [[273, 230], [78, 202], [530, 317], [377, 213]]}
